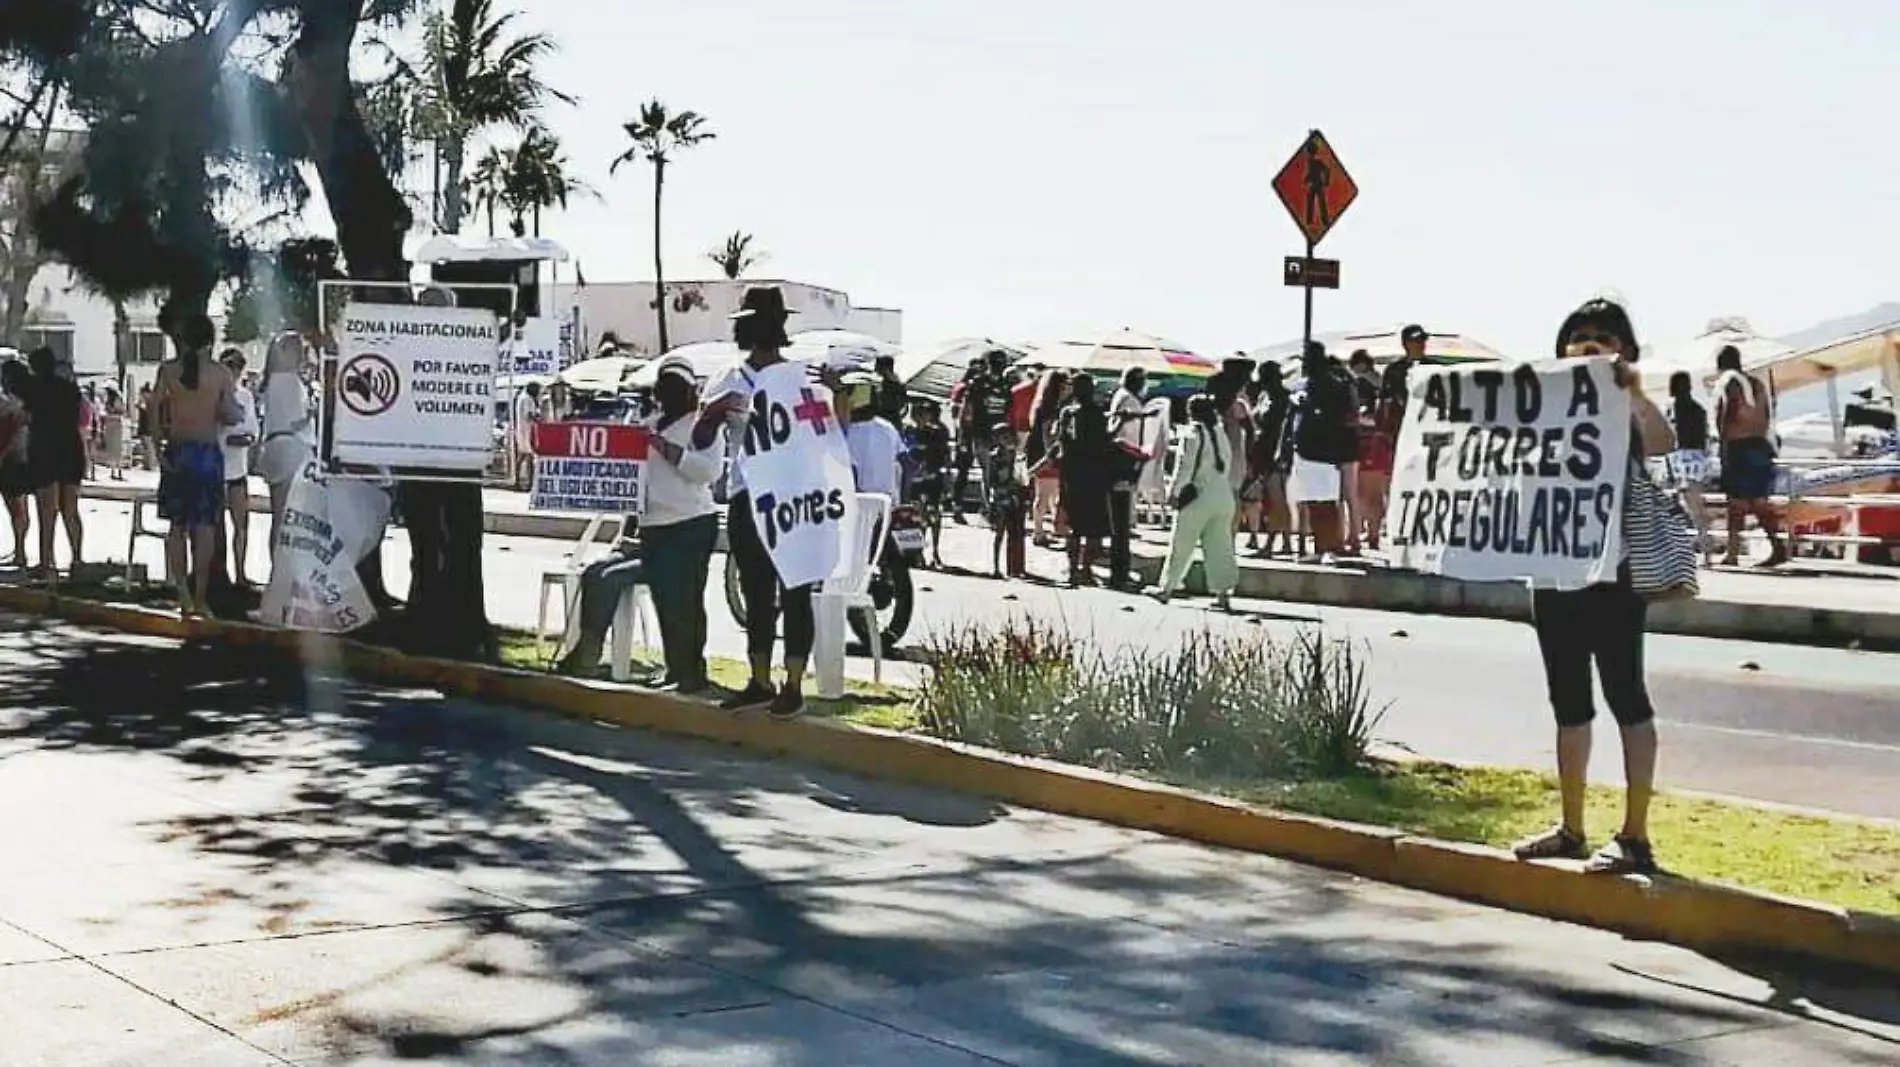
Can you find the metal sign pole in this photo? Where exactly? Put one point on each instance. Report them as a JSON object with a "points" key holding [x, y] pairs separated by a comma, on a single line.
{"points": [[1306, 335]]}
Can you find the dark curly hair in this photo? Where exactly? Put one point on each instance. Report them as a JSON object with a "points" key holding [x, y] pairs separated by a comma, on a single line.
{"points": [[1606, 315]]}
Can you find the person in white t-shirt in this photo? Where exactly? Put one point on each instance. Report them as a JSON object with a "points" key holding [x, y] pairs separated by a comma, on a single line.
{"points": [[1136, 436], [678, 527], [239, 438], [877, 448]]}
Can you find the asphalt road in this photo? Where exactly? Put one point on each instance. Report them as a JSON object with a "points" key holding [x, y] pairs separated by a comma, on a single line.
{"points": [[1816, 728], [256, 865]]}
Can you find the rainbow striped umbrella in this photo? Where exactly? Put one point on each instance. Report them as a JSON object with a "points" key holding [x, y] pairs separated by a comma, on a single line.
{"points": [[1171, 368]]}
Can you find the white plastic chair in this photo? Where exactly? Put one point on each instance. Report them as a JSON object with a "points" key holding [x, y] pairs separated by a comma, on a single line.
{"points": [[139, 529], [866, 544], [630, 613]]}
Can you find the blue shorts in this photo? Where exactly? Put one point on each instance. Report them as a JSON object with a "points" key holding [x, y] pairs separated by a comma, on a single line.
{"points": [[191, 485], [1748, 469]]}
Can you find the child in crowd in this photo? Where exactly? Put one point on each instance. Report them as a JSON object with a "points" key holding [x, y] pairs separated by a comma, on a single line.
{"points": [[1008, 503]]}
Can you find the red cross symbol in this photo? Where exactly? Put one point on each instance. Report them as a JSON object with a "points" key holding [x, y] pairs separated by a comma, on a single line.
{"points": [[813, 411]]}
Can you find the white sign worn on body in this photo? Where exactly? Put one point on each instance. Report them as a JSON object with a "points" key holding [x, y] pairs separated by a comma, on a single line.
{"points": [[538, 349], [1512, 474], [794, 462], [328, 528], [415, 387]]}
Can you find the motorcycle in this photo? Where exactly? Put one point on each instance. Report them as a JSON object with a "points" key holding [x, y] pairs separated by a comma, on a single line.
{"points": [[892, 591]]}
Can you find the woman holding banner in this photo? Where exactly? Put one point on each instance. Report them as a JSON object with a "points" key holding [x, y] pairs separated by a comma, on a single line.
{"points": [[1602, 624], [759, 328]]}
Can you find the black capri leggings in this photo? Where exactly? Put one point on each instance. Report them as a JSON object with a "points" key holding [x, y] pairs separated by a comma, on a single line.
{"points": [[1602, 623], [765, 598]]}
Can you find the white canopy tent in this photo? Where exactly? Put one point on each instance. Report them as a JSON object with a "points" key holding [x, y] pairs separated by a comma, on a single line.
{"points": [[469, 248], [1874, 348], [1697, 356]]}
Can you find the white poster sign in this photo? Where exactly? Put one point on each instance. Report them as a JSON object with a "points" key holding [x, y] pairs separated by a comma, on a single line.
{"points": [[538, 349], [328, 528], [1512, 474], [591, 467], [415, 387], [794, 463]]}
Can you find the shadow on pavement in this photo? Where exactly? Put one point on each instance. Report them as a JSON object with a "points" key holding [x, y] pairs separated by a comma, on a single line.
{"points": [[615, 894]]}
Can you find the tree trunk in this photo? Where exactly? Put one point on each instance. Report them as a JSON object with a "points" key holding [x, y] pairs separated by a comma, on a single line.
{"points": [[454, 202], [24, 256], [659, 265], [447, 610]]}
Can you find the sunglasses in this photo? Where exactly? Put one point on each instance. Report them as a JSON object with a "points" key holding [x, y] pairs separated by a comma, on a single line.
{"points": [[1602, 340]]}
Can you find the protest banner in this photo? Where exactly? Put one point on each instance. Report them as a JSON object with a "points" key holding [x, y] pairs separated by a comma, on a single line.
{"points": [[794, 463], [1508, 474], [537, 349], [415, 387], [328, 527], [588, 466]]}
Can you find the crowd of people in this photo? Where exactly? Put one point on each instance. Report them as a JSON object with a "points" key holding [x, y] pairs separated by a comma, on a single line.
{"points": [[1299, 464], [1300, 469], [203, 407]]}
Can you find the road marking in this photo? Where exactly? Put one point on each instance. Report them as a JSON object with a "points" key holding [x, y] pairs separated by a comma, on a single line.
{"points": [[1770, 735]]}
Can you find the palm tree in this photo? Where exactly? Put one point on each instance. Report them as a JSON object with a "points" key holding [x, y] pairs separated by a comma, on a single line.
{"points": [[657, 134], [736, 256], [485, 185], [476, 76], [537, 178]]}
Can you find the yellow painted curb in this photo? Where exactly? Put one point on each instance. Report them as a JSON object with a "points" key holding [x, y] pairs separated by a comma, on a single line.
{"points": [[1693, 914]]}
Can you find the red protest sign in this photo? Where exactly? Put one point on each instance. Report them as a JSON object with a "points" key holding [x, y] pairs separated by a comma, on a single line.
{"points": [[589, 440]]}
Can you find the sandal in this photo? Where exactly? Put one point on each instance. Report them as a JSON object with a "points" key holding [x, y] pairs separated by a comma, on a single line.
{"points": [[1556, 843], [1623, 855]]}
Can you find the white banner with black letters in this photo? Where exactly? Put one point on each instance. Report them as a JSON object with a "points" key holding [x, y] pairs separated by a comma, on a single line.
{"points": [[796, 467], [328, 528], [1512, 474]]}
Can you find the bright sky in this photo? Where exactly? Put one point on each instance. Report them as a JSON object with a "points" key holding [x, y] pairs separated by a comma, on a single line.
{"points": [[1034, 168]]}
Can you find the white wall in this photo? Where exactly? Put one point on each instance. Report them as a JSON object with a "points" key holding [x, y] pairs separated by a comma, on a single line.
{"points": [[699, 310], [885, 324], [55, 302]]}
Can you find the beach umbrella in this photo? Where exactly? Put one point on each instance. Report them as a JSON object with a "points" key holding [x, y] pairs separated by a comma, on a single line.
{"points": [[605, 374], [934, 371], [839, 348], [1697, 355], [1172, 369]]}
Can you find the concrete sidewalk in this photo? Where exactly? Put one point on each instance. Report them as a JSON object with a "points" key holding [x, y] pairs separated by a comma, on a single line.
{"points": [[259, 866], [1804, 602]]}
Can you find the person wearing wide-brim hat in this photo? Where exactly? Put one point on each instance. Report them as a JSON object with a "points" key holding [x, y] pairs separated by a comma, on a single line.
{"points": [[758, 327]]}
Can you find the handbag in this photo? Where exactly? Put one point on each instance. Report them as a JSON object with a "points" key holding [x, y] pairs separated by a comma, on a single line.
{"points": [[1660, 539]]}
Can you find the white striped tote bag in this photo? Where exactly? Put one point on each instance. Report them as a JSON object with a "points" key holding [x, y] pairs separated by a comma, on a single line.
{"points": [[1661, 541]]}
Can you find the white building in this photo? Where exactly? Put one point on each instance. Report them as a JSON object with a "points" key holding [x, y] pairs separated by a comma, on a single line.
{"points": [[699, 310], [74, 323]]}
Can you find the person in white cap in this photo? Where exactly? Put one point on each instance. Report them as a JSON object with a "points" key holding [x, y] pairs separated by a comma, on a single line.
{"points": [[678, 528]]}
